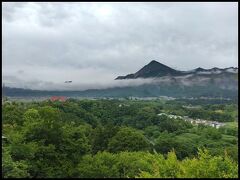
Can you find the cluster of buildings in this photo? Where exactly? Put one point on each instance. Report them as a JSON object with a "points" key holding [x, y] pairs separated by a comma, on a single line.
{"points": [[214, 124], [151, 98], [58, 98]]}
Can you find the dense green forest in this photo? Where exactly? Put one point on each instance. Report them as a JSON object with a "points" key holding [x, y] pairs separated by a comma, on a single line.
{"points": [[118, 138]]}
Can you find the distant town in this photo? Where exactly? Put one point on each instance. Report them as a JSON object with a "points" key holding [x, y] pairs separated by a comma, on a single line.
{"points": [[194, 121]]}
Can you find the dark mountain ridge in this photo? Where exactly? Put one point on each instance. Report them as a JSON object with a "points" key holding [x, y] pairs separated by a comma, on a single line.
{"points": [[155, 69]]}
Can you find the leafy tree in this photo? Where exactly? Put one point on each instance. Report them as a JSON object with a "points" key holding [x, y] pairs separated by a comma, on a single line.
{"points": [[11, 168], [204, 166], [128, 139], [129, 164], [12, 113], [123, 164], [212, 133], [101, 137], [99, 166], [207, 166]]}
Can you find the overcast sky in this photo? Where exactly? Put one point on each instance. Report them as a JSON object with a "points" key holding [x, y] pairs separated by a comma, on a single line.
{"points": [[45, 44]]}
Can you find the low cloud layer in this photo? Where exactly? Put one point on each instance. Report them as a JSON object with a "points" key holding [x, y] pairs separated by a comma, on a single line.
{"points": [[45, 44]]}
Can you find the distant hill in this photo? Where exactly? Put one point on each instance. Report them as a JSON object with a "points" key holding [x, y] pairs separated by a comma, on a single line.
{"points": [[155, 69], [146, 90], [159, 80]]}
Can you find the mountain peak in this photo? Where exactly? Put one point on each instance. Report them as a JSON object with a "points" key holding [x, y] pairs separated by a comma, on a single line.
{"points": [[199, 69], [155, 69], [152, 69], [154, 62]]}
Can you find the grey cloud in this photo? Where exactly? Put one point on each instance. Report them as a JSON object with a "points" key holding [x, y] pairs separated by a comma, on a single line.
{"points": [[50, 42]]}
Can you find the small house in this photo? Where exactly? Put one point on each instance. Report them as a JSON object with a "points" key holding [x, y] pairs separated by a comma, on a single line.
{"points": [[58, 98]]}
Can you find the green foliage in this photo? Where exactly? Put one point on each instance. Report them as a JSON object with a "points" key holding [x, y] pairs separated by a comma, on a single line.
{"points": [[204, 166], [101, 136], [128, 139], [167, 142], [117, 138], [11, 168], [100, 165], [207, 166], [12, 114], [130, 164], [123, 164], [147, 165], [211, 133]]}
